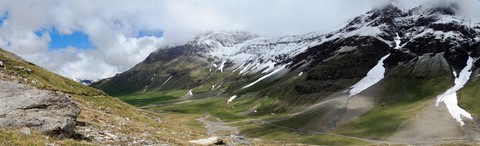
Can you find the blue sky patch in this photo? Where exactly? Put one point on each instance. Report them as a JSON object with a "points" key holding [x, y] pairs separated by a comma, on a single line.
{"points": [[3, 18], [77, 39], [157, 34]]}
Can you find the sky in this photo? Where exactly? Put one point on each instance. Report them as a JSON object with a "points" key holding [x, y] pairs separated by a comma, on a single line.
{"points": [[95, 39]]}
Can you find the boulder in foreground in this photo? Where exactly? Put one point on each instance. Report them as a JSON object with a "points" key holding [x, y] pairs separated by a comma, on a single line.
{"points": [[48, 112]]}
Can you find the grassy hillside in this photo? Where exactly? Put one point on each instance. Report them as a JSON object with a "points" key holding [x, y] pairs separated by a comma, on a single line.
{"points": [[99, 112], [41, 78]]}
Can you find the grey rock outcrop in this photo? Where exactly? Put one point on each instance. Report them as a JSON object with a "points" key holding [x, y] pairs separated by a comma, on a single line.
{"points": [[48, 112]]}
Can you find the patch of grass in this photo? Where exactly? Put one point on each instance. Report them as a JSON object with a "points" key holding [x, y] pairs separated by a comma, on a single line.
{"points": [[381, 122], [240, 109], [200, 106], [408, 89], [214, 106], [14, 137], [274, 133], [153, 97], [148, 101], [469, 97], [197, 125], [303, 120]]}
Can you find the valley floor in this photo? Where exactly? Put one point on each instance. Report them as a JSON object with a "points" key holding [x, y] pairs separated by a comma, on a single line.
{"points": [[215, 118]]}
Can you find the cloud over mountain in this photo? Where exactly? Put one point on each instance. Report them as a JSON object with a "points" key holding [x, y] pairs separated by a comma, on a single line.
{"points": [[123, 33]]}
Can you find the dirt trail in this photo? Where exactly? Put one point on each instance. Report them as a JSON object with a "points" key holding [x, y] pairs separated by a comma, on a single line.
{"points": [[220, 129], [217, 128]]}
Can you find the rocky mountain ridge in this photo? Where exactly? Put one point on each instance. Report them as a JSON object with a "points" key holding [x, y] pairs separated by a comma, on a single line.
{"points": [[383, 62], [405, 34]]}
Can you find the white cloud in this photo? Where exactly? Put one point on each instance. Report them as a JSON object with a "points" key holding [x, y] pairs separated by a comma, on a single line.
{"points": [[113, 26]]}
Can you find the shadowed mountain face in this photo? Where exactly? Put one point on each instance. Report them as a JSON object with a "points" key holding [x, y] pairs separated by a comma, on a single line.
{"points": [[380, 64]]}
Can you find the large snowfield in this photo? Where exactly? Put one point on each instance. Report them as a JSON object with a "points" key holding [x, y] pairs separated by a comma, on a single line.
{"points": [[450, 96]]}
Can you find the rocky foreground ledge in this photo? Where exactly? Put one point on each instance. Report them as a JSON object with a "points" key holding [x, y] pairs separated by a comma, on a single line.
{"points": [[22, 106]]}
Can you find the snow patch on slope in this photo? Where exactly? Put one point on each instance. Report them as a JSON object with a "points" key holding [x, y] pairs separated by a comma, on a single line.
{"points": [[153, 77], [168, 79], [360, 29], [264, 77], [190, 92], [254, 54], [477, 39], [240, 66], [450, 96], [231, 99], [267, 66], [445, 19], [222, 65], [251, 54], [345, 49], [300, 74], [245, 68], [376, 74], [440, 35], [398, 41]]}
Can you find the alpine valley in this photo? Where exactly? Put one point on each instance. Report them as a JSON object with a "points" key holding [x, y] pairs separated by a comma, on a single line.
{"points": [[390, 76]]}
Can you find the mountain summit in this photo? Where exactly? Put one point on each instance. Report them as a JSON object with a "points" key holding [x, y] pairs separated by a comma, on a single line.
{"points": [[388, 75]]}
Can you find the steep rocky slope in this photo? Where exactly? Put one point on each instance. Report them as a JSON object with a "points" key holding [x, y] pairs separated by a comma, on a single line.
{"points": [[385, 75]]}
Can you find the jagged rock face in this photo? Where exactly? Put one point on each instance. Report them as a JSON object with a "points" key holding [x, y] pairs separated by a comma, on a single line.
{"points": [[427, 65], [329, 63], [421, 31], [24, 106]]}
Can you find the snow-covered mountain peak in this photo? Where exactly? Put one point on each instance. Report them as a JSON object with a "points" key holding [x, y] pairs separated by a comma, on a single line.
{"points": [[437, 8], [261, 53], [404, 30], [445, 8], [389, 10], [222, 39], [390, 25]]}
